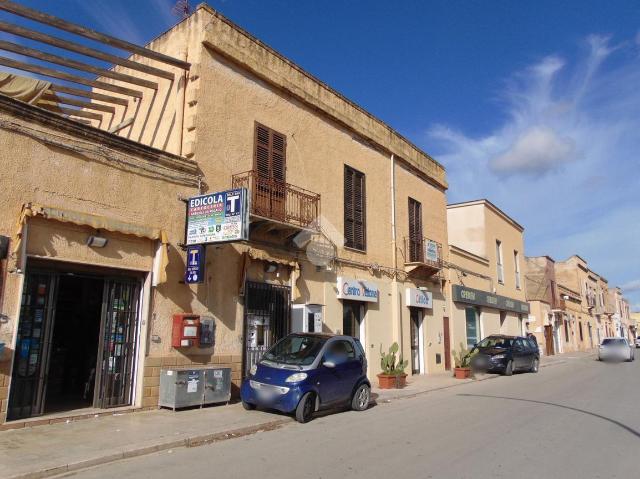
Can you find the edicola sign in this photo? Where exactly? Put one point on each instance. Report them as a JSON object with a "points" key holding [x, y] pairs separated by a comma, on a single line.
{"points": [[218, 217]]}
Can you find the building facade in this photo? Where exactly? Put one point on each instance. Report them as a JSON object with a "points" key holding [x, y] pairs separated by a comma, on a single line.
{"points": [[347, 224], [486, 260]]}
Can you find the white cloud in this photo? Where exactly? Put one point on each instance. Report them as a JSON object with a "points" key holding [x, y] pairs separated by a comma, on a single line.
{"points": [[537, 150], [631, 286], [565, 161]]}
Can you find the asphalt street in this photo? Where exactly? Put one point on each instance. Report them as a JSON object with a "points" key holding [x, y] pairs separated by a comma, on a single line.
{"points": [[579, 419]]}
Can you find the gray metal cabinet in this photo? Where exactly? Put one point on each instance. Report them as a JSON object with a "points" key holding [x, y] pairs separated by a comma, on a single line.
{"points": [[194, 387]]}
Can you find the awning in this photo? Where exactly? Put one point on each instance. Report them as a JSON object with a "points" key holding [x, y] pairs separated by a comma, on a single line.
{"points": [[28, 90], [262, 255], [30, 210]]}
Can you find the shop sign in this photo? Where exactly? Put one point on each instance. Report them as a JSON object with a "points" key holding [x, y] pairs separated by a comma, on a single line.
{"points": [[195, 264], [463, 294], [357, 289], [419, 298], [218, 217]]}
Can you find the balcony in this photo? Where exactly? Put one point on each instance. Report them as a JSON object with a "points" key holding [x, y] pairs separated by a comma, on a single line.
{"points": [[422, 256], [282, 205]]}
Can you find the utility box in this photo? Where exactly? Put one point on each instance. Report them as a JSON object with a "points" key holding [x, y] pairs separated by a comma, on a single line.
{"points": [[194, 387], [306, 318]]}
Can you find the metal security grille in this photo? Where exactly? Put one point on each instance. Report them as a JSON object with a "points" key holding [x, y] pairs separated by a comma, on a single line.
{"points": [[118, 347], [32, 347], [267, 318]]}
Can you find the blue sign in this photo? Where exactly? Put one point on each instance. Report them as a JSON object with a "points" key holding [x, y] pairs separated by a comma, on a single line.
{"points": [[195, 265]]}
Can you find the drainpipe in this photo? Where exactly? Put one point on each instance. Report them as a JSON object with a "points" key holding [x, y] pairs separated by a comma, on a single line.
{"points": [[396, 301]]}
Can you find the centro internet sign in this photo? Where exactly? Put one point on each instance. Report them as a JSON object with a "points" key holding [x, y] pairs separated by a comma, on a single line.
{"points": [[348, 290]]}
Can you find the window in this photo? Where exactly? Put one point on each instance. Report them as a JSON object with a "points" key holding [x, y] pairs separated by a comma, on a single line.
{"points": [[499, 262], [270, 157], [354, 209], [566, 330], [472, 327], [416, 249], [516, 260], [340, 352]]}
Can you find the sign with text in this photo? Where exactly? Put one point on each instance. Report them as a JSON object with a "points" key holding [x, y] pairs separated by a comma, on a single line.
{"points": [[419, 298], [431, 250], [462, 294], [195, 264], [357, 290], [218, 217]]}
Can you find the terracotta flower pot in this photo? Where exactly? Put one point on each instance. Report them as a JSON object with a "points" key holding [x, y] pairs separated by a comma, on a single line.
{"points": [[392, 381], [462, 373]]}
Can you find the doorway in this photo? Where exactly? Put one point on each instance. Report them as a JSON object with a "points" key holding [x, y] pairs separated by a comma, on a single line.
{"points": [[353, 319], [447, 343], [416, 333], [548, 340], [76, 343], [267, 318]]}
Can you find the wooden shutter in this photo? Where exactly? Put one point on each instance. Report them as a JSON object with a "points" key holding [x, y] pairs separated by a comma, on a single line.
{"points": [[415, 231], [270, 154], [354, 209]]}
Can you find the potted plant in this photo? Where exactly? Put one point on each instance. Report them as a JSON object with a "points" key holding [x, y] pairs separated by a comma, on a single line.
{"points": [[392, 375], [462, 362]]}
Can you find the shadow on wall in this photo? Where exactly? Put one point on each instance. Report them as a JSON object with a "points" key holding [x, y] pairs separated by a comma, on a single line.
{"points": [[544, 403]]}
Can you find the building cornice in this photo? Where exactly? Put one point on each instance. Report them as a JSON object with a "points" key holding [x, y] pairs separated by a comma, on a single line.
{"points": [[232, 42], [105, 144]]}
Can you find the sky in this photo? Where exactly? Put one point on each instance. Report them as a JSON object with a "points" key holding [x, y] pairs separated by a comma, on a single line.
{"points": [[533, 105]]}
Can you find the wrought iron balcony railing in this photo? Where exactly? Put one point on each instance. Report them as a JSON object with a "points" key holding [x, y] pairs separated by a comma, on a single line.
{"points": [[423, 251], [278, 201]]}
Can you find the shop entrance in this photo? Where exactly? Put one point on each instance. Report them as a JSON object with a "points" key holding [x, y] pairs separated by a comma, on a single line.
{"points": [[76, 343], [416, 334]]}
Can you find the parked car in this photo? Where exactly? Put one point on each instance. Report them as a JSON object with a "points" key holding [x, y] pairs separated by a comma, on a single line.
{"points": [[638, 342], [506, 355], [306, 372], [616, 349]]}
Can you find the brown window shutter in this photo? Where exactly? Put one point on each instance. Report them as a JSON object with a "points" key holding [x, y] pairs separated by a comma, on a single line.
{"points": [[270, 154], [354, 209], [415, 231]]}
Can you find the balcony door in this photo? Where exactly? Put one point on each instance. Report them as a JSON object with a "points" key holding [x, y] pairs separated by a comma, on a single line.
{"points": [[270, 165], [416, 245]]}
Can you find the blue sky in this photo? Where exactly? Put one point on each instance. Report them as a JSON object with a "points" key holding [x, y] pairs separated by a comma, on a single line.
{"points": [[534, 105]]}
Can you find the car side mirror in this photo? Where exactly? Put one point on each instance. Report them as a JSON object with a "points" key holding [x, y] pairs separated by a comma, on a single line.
{"points": [[329, 364]]}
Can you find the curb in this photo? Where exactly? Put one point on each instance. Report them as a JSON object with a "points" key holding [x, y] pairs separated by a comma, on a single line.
{"points": [[193, 441]]}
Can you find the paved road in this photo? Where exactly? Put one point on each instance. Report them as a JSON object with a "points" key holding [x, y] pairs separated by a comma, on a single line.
{"points": [[580, 419]]}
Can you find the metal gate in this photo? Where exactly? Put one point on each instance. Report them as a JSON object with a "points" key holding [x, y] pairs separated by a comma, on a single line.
{"points": [[35, 327], [116, 363], [267, 319]]}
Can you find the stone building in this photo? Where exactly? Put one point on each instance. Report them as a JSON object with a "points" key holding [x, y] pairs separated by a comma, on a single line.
{"points": [[346, 225], [486, 251]]}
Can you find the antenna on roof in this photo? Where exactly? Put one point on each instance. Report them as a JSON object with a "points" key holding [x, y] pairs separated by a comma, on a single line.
{"points": [[182, 9]]}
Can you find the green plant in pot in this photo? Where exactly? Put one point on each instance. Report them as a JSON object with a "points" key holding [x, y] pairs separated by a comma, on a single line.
{"points": [[462, 362], [392, 375]]}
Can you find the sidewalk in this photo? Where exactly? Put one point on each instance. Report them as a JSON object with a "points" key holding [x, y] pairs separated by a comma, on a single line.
{"points": [[44, 451]]}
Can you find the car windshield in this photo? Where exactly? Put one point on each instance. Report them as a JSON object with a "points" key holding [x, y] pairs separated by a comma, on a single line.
{"points": [[296, 350], [494, 342], [613, 342]]}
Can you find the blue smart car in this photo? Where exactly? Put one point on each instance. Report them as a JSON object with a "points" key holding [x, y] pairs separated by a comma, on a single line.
{"points": [[306, 372]]}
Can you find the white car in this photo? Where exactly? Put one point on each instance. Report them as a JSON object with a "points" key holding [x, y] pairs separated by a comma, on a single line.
{"points": [[617, 349], [638, 342]]}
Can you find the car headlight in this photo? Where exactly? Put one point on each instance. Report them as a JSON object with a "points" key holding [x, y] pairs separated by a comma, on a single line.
{"points": [[253, 370], [499, 356], [296, 378]]}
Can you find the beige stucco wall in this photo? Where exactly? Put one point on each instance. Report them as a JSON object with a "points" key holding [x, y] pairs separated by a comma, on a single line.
{"points": [[50, 162]]}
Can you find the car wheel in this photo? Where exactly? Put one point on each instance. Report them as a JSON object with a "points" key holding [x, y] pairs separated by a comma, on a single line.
{"points": [[535, 366], [361, 397], [305, 408], [508, 371], [248, 406]]}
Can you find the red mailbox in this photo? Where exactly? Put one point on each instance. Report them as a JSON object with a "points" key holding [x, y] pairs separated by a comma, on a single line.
{"points": [[186, 330]]}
